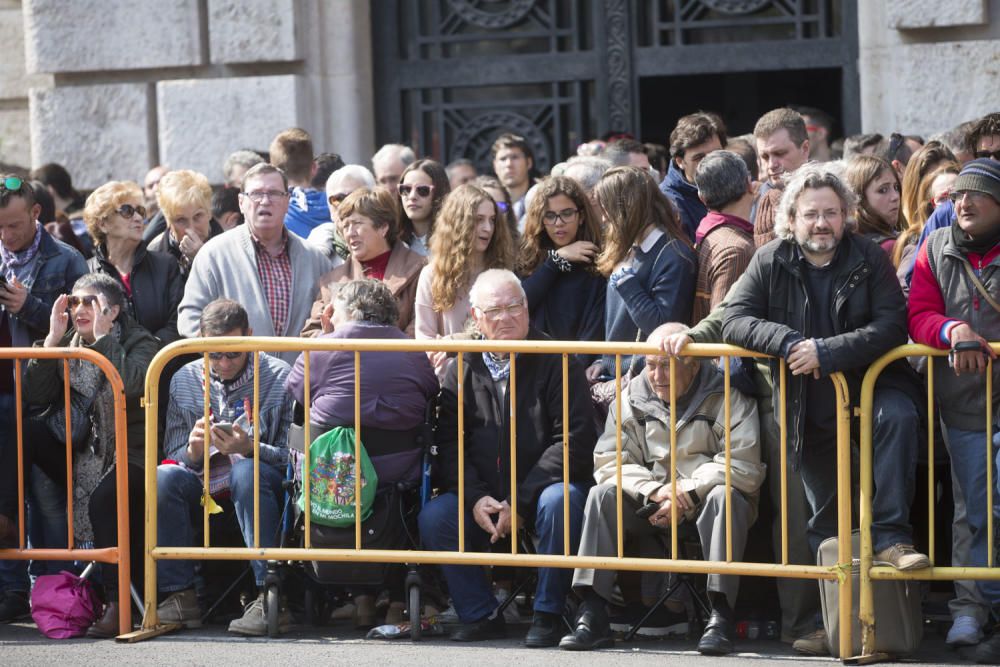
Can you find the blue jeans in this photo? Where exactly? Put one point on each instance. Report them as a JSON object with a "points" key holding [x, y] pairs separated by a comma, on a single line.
{"points": [[179, 502], [895, 440], [968, 457], [469, 587]]}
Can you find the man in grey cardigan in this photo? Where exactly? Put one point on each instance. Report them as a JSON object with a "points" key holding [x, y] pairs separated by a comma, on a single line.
{"points": [[273, 274]]}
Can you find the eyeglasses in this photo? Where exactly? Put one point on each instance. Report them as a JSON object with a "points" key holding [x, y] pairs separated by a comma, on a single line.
{"points": [[127, 211], [503, 206], [423, 191], [992, 155], [497, 313], [216, 356], [813, 216], [895, 143], [337, 198], [89, 301], [258, 195], [566, 216], [974, 195]]}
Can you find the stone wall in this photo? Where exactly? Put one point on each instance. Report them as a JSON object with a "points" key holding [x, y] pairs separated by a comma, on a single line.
{"points": [[928, 65], [15, 145], [185, 82]]}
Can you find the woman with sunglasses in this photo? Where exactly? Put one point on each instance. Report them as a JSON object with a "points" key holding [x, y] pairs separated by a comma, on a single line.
{"points": [[561, 240], [151, 280], [94, 316], [467, 240], [422, 187], [648, 258], [878, 215]]}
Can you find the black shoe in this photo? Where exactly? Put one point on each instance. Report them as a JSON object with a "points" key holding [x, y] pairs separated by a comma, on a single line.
{"points": [[718, 637], [592, 632], [481, 630], [546, 630], [988, 651], [14, 606]]}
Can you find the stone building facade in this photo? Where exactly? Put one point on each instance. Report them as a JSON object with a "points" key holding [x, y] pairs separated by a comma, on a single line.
{"points": [[111, 87]]}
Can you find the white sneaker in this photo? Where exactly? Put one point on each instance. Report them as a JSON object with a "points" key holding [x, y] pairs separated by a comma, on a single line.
{"points": [[965, 631], [510, 614]]}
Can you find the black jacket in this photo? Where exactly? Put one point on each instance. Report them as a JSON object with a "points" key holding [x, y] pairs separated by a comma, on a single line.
{"points": [[769, 312], [162, 242], [157, 289], [539, 429]]}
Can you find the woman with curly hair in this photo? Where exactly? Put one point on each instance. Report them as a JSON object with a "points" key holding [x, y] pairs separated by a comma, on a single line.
{"points": [[467, 240], [648, 259], [561, 240], [422, 188], [877, 186]]}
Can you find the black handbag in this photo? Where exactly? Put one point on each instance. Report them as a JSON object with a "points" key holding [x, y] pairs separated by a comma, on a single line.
{"points": [[81, 418]]}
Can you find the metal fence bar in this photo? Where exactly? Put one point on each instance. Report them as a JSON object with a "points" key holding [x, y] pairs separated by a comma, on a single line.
{"points": [[70, 533], [565, 435], [783, 437], [307, 438], [673, 458], [619, 507], [461, 451], [357, 450], [206, 446], [252, 422], [20, 455], [512, 394], [727, 397]]}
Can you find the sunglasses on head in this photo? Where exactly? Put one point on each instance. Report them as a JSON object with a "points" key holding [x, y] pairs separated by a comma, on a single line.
{"points": [[12, 183], [216, 356], [127, 211], [421, 190], [90, 301]]}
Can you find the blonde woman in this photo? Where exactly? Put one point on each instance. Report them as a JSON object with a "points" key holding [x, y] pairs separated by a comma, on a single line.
{"points": [[467, 240], [185, 199]]}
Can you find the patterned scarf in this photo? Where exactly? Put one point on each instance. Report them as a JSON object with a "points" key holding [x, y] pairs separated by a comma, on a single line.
{"points": [[499, 368], [13, 260]]}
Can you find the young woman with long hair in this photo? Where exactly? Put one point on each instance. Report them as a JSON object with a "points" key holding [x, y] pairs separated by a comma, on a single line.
{"points": [[877, 186], [467, 240], [561, 241], [933, 190], [422, 188], [648, 258]]}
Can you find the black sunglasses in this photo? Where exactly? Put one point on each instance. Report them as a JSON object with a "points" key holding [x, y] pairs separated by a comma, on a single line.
{"points": [[421, 190], [74, 301], [216, 356], [127, 211]]}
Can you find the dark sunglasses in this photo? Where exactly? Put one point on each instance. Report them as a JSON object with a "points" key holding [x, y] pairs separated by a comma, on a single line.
{"points": [[337, 198], [216, 356], [991, 155], [127, 211], [90, 301], [421, 190]]}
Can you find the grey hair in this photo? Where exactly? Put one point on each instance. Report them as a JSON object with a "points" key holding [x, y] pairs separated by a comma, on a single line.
{"points": [[241, 158], [586, 170], [355, 172], [368, 300], [722, 178], [105, 284], [811, 176], [405, 154], [492, 279]]}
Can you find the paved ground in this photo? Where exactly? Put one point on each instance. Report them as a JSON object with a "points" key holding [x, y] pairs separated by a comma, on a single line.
{"points": [[21, 644]]}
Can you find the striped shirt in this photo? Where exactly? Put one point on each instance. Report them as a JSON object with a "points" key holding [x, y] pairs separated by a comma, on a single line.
{"points": [[276, 279]]}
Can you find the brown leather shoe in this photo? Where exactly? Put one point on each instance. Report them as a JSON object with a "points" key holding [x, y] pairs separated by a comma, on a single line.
{"points": [[106, 627]]}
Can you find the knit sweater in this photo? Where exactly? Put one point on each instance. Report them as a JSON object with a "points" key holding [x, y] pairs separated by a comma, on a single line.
{"points": [[227, 267], [725, 247]]}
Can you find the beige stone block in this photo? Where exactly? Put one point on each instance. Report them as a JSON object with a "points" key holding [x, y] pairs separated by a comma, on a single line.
{"points": [[15, 137], [92, 35], [247, 31], [928, 88], [14, 81], [99, 133], [907, 14], [201, 121]]}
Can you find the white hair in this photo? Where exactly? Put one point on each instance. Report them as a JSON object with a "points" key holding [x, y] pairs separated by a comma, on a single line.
{"points": [[586, 170], [355, 172], [490, 280], [399, 152]]}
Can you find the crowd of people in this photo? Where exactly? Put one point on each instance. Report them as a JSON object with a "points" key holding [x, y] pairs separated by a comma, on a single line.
{"points": [[772, 242]]}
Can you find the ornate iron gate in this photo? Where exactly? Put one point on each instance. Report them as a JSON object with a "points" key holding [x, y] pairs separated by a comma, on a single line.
{"points": [[450, 75]]}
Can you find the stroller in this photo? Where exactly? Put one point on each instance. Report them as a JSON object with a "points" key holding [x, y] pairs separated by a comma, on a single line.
{"points": [[402, 461]]}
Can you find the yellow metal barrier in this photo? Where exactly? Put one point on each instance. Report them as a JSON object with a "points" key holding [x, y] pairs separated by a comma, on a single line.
{"points": [[870, 573], [255, 345], [118, 555]]}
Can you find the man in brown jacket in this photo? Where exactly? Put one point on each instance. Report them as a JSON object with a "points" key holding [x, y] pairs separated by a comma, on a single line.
{"points": [[725, 237]]}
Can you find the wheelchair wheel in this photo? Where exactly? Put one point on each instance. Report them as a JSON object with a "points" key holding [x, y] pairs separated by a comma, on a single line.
{"points": [[413, 595], [272, 607]]}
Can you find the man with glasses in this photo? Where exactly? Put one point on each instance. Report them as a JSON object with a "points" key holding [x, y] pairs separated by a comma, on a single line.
{"points": [[953, 305], [500, 311], [230, 435], [826, 300], [35, 269], [272, 273]]}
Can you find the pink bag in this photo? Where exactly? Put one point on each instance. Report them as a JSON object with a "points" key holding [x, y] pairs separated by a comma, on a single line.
{"points": [[64, 605]]}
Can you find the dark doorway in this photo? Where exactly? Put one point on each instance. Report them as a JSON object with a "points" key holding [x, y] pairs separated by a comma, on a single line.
{"points": [[739, 97]]}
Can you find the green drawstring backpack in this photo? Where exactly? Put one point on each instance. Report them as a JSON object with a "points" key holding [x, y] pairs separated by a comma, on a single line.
{"points": [[331, 478]]}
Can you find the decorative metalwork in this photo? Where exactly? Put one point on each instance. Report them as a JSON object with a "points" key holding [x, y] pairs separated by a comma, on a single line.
{"points": [[619, 59], [736, 6], [475, 138], [470, 11]]}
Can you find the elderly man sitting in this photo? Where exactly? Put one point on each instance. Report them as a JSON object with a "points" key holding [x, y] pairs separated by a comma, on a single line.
{"points": [[500, 311], [701, 491]]}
